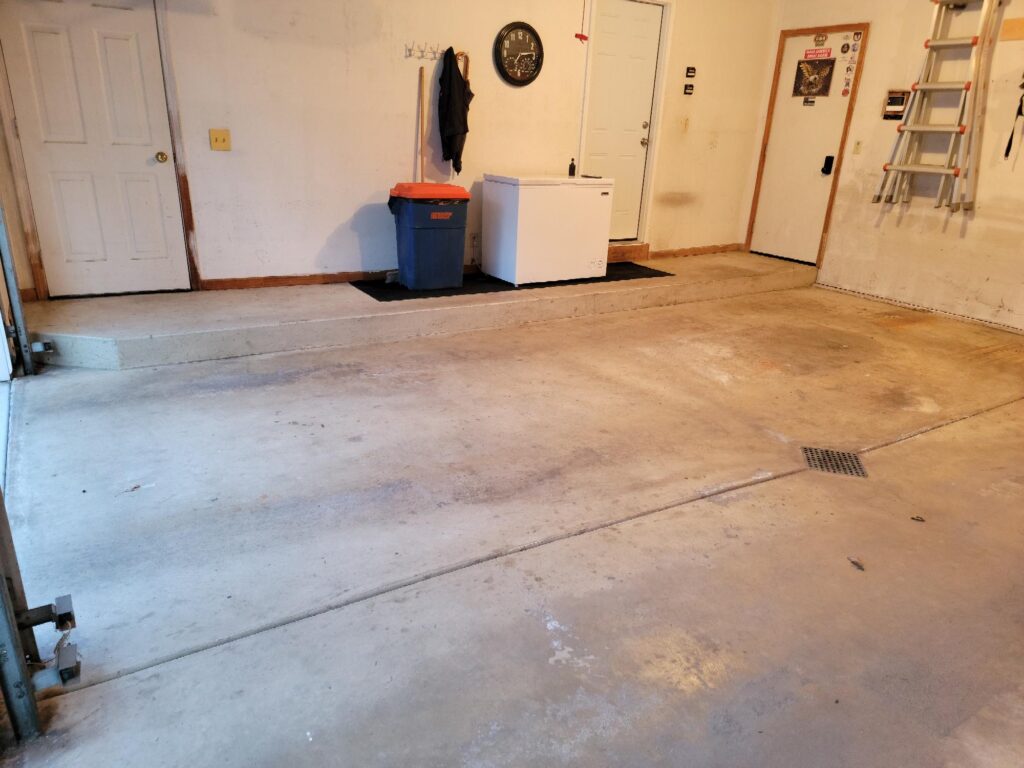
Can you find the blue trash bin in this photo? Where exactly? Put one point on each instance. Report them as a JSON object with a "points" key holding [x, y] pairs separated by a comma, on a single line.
{"points": [[430, 220]]}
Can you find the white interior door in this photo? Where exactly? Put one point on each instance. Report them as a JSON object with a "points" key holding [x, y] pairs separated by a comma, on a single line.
{"points": [[88, 94], [620, 104], [806, 129]]}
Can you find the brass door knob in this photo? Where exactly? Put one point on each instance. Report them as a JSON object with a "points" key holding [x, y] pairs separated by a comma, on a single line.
{"points": [[161, 157]]}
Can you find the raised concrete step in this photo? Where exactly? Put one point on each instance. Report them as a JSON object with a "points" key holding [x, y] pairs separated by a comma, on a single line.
{"points": [[142, 331]]}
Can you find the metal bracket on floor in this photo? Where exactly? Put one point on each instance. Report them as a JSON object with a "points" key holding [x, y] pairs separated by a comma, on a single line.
{"points": [[67, 667], [18, 648], [19, 689], [60, 613]]}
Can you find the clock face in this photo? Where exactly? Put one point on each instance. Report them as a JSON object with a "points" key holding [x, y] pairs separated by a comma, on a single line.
{"points": [[518, 53]]}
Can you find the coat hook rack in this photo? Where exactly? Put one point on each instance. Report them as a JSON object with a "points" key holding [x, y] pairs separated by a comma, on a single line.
{"points": [[425, 52]]}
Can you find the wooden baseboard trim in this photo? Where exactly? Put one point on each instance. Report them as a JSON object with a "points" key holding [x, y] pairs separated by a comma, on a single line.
{"points": [[701, 251], [283, 281], [29, 294], [619, 252]]}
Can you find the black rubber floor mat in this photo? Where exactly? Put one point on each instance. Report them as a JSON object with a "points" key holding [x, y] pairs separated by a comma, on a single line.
{"points": [[481, 283]]}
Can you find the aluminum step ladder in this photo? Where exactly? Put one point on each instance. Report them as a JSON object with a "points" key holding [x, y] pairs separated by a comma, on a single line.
{"points": [[958, 177]]}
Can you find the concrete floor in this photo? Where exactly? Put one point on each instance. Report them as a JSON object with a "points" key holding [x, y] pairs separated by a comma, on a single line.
{"points": [[590, 542], [122, 332]]}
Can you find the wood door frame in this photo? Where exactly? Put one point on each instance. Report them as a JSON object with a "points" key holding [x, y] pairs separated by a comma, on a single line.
{"points": [[20, 172], [784, 37], [188, 223], [657, 106]]}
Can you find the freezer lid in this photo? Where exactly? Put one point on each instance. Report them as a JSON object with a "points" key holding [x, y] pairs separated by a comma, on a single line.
{"points": [[547, 181]]}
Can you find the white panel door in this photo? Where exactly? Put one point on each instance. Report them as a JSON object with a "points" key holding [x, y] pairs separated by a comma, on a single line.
{"points": [[807, 128], [89, 99], [620, 104]]}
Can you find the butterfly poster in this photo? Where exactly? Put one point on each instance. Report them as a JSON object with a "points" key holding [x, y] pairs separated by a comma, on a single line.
{"points": [[814, 78]]}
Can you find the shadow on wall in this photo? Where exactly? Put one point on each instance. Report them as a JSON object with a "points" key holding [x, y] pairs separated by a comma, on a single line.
{"points": [[374, 229], [373, 224]]}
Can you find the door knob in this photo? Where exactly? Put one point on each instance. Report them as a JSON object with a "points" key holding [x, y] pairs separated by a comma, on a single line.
{"points": [[644, 141], [161, 157], [826, 169]]}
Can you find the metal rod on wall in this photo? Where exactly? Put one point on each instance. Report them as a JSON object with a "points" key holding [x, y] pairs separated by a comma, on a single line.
{"points": [[18, 690], [14, 296]]}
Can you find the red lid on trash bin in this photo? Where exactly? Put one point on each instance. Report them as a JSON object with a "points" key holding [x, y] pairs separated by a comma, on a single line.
{"points": [[421, 191]]}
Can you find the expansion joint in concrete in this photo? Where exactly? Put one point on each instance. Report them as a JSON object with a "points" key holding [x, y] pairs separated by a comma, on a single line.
{"points": [[463, 565]]}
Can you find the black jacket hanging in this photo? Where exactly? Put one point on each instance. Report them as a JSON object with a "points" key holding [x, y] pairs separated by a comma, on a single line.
{"points": [[453, 110]]}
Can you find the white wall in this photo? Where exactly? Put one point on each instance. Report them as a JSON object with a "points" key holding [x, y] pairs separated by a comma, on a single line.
{"points": [[709, 142], [321, 102], [969, 265]]}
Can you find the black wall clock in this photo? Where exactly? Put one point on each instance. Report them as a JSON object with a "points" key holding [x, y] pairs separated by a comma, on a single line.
{"points": [[518, 53]]}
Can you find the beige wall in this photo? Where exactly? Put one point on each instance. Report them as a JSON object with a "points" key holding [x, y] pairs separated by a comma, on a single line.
{"points": [[708, 146], [969, 265], [321, 103]]}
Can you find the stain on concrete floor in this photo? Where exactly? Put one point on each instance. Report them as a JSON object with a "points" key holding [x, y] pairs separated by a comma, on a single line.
{"points": [[730, 631]]}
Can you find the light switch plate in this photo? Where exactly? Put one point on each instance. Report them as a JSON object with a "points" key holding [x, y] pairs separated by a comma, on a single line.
{"points": [[220, 139]]}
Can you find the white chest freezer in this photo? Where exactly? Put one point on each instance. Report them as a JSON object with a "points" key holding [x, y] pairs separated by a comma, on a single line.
{"points": [[544, 229]]}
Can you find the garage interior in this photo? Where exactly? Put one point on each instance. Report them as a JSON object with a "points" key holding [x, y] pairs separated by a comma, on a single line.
{"points": [[711, 453]]}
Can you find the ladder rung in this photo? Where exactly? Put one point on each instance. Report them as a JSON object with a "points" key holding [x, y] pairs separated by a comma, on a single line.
{"points": [[919, 128], [953, 86], [952, 42], [937, 170]]}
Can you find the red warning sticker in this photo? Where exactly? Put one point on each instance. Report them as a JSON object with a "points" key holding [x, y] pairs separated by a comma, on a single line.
{"points": [[818, 53]]}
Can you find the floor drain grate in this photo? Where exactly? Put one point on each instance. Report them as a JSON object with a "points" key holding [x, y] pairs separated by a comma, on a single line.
{"points": [[835, 462]]}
